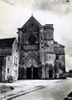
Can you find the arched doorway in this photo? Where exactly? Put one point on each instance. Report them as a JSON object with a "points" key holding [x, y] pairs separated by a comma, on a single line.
{"points": [[50, 72], [21, 73], [35, 73], [32, 72], [29, 73]]}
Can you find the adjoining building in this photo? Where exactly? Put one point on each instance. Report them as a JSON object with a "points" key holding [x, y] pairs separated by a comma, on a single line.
{"points": [[8, 59], [33, 55]]}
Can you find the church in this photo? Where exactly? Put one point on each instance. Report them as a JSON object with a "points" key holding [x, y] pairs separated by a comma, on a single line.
{"points": [[33, 55], [40, 56]]}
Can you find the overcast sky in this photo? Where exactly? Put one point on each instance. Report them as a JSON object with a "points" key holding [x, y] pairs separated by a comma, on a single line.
{"points": [[14, 13]]}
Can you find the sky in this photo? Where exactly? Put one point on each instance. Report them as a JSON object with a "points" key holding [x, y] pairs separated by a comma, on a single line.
{"points": [[14, 13]]}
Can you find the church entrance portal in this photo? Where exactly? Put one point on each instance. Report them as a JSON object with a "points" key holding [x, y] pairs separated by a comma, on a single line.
{"points": [[32, 73], [50, 72], [29, 73]]}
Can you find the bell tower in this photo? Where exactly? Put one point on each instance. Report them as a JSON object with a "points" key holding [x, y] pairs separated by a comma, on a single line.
{"points": [[46, 40], [47, 55]]}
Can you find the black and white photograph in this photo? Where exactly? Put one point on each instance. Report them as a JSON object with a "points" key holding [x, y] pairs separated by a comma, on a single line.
{"points": [[36, 49]]}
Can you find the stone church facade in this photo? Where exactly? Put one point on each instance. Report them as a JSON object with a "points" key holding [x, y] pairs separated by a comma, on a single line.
{"points": [[40, 56], [33, 55]]}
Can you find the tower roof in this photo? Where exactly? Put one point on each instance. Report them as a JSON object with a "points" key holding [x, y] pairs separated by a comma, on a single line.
{"points": [[48, 26]]}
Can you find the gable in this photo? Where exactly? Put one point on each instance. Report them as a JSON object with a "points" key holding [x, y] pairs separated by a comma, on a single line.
{"points": [[31, 25]]}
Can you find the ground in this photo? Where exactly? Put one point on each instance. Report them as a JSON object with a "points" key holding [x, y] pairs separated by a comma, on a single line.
{"points": [[38, 89]]}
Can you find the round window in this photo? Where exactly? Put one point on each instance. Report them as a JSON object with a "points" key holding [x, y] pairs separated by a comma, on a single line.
{"points": [[32, 39]]}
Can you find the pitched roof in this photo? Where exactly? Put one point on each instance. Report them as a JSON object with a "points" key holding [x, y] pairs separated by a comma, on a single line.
{"points": [[7, 42], [30, 21]]}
